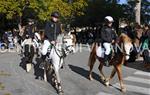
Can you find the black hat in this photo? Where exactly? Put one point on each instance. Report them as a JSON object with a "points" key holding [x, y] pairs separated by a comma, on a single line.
{"points": [[30, 20], [55, 14]]}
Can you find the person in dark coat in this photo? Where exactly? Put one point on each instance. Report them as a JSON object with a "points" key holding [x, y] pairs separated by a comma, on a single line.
{"points": [[108, 37], [52, 30], [145, 40], [29, 29], [146, 34]]}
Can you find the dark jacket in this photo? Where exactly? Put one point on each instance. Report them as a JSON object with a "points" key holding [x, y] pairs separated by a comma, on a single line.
{"points": [[146, 35], [29, 30], [52, 30], [107, 34]]}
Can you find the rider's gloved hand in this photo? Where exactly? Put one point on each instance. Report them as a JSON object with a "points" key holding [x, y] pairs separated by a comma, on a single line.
{"points": [[53, 42]]}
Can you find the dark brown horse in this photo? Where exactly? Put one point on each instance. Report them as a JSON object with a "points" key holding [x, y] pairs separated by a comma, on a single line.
{"points": [[117, 60]]}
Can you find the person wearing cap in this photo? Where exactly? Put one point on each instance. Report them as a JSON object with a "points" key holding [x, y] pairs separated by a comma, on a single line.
{"points": [[108, 37], [28, 35], [52, 30], [29, 29]]}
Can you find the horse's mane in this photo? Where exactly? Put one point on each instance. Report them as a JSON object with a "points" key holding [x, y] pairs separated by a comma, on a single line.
{"points": [[124, 38]]}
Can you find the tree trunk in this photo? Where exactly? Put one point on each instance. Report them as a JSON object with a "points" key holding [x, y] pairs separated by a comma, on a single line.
{"points": [[138, 12]]}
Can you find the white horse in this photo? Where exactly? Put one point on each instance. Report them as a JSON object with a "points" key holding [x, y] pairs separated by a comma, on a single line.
{"points": [[55, 59]]}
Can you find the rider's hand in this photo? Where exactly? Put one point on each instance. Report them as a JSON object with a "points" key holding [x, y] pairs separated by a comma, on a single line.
{"points": [[113, 41], [53, 42]]}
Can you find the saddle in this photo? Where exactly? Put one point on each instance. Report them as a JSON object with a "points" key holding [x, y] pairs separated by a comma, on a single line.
{"points": [[100, 53]]}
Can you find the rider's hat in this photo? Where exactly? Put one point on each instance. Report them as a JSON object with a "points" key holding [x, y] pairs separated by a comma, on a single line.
{"points": [[109, 19], [55, 14]]}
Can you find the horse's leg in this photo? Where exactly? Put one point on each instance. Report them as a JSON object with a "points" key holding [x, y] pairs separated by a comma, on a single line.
{"points": [[27, 58], [91, 62], [101, 71], [58, 83], [56, 64], [119, 72], [91, 67], [31, 55], [45, 74], [113, 72]]}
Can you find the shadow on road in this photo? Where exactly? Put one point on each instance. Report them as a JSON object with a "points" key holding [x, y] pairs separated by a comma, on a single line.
{"points": [[139, 65], [38, 72], [85, 73], [23, 63]]}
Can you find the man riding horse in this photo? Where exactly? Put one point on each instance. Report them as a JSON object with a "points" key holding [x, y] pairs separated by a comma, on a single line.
{"points": [[50, 47], [52, 30], [28, 45], [122, 48], [108, 37]]}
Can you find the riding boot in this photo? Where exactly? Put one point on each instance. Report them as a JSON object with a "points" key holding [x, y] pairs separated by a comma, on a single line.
{"points": [[106, 63], [37, 52]]}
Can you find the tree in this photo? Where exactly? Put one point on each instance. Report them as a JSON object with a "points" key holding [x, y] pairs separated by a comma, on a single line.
{"points": [[97, 10], [141, 10], [138, 11], [41, 9]]}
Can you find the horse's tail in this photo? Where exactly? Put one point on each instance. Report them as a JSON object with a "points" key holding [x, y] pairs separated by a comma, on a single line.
{"points": [[92, 57]]}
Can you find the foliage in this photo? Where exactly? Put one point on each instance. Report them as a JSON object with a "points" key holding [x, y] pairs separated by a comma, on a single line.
{"points": [[129, 10], [40, 8], [97, 10], [76, 12]]}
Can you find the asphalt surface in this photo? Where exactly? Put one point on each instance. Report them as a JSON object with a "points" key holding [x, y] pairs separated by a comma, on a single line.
{"points": [[14, 80]]}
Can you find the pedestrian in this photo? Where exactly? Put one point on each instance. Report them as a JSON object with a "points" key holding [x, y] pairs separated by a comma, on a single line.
{"points": [[145, 40]]}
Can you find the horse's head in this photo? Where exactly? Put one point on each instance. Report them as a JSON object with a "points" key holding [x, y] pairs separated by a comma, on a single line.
{"points": [[127, 44], [68, 43]]}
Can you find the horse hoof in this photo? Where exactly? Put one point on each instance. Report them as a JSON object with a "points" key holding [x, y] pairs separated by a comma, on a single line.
{"points": [[102, 78], [123, 90], [28, 67], [90, 78], [60, 93], [107, 83]]}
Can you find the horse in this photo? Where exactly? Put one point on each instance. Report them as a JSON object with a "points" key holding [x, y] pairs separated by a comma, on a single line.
{"points": [[30, 47], [55, 59], [70, 39], [117, 60], [28, 51]]}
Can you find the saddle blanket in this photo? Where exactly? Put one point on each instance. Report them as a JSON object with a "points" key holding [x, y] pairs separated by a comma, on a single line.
{"points": [[100, 52]]}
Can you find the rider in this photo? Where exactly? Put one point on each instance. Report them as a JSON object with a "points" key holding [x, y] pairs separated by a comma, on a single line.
{"points": [[108, 37], [29, 32], [52, 30], [29, 29]]}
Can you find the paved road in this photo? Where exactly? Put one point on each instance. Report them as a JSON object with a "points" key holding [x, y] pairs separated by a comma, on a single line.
{"points": [[15, 81]]}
